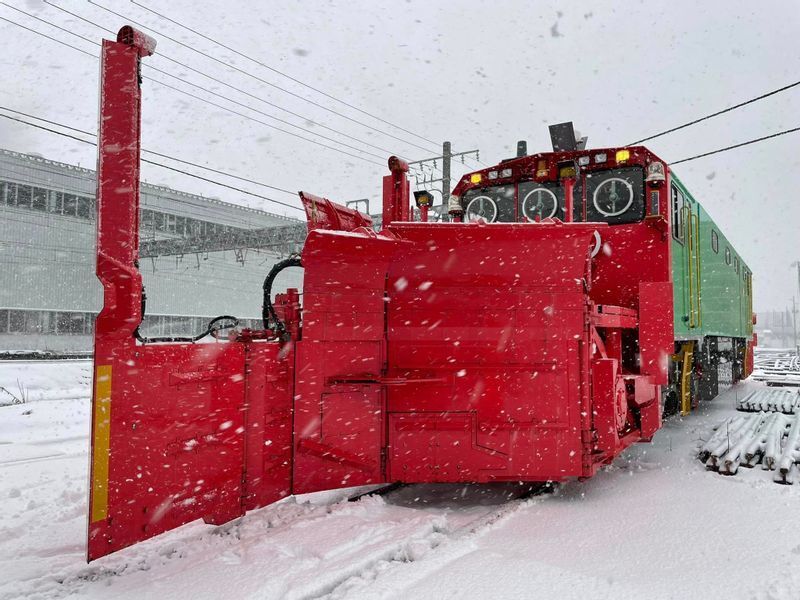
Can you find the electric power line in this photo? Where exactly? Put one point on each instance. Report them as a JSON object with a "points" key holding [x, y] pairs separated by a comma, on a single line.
{"points": [[151, 67], [747, 143], [716, 114], [206, 204], [241, 91], [154, 153], [264, 81], [157, 164], [274, 70]]}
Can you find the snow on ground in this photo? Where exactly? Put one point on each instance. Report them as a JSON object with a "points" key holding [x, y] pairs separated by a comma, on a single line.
{"points": [[656, 524]]}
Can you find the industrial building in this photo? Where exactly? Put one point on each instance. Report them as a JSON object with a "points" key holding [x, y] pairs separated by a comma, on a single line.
{"points": [[201, 257]]}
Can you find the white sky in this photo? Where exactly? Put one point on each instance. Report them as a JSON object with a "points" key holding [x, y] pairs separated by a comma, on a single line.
{"points": [[481, 74]]}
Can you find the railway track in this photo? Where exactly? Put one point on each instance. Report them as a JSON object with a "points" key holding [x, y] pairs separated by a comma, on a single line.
{"points": [[451, 538], [314, 547]]}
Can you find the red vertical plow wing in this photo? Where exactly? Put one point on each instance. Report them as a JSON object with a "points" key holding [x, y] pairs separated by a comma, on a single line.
{"points": [[180, 431]]}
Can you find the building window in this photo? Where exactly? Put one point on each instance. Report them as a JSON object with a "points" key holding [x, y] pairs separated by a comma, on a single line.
{"points": [[48, 322], [24, 196], [55, 202], [4, 321], [714, 241], [39, 201], [88, 323], [16, 321], [727, 255], [69, 323], [11, 194], [84, 210], [70, 205], [180, 226]]}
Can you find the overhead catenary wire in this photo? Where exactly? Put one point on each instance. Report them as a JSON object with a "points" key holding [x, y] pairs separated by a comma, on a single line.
{"points": [[244, 219], [204, 100], [747, 143], [260, 79], [154, 153], [183, 92], [241, 91], [144, 160], [716, 114], [157, 164], [281, 73]]}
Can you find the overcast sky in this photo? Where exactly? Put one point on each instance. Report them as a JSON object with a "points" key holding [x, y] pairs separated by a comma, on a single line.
{"points": [[481, 74]]}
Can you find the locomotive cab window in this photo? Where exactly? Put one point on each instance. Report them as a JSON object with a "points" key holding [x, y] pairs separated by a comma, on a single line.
{"points": [[494, 204], [543, 200], [677, 213], [615, 196]]}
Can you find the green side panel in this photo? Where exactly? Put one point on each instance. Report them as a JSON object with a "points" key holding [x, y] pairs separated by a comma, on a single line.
{"points": [[724, 296]]}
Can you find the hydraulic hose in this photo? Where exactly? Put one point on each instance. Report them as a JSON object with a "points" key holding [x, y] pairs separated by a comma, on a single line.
{"points": [[211, 329], [268, 314]]}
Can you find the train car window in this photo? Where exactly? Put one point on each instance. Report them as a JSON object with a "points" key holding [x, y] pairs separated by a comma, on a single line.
{"points": [[615, 196], [736, 264], [677, 213], [714, 241], [545, 200], [495, 204], [727, 255]]}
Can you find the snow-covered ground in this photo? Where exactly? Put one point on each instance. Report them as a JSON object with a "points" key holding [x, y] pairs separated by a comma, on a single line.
{"points": [[656, 524]]}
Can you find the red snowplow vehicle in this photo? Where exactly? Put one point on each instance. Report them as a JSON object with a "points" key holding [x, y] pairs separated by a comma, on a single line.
{"points": [[427, 352]]}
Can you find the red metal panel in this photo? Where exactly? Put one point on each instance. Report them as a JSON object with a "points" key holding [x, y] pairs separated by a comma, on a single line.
{"points": [[340, 361], [656, 329], [498, 316], [608, 401], [176, 443], [324, 214], [268, 423], [629, 254]]}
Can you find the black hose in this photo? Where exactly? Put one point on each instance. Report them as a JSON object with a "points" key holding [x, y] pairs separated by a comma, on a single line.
{"points": [[268, 314], [210, 329]]}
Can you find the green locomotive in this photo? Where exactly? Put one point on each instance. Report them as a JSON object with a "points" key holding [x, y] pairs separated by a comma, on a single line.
{"points": [[713, 305]]}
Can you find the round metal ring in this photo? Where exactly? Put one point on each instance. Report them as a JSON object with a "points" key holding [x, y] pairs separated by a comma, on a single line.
{"points": [[534, 191], [491, 202], [624, 208]]}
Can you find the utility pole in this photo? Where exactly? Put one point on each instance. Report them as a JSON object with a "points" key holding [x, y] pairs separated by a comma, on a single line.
{"points": [[794, 308], [446, 158], [797, 264], [447, 155]]}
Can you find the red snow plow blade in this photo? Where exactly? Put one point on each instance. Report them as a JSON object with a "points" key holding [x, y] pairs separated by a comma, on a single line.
{"points": [[180, 431]]}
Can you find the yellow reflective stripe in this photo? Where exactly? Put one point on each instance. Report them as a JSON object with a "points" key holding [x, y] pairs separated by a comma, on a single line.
{"points": [[100, 444]]}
